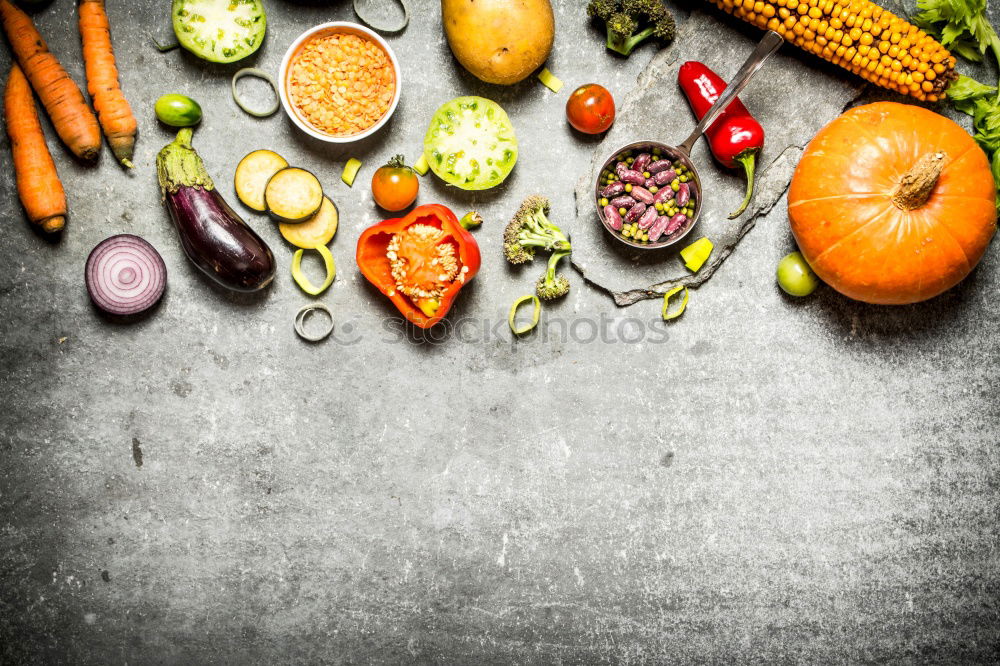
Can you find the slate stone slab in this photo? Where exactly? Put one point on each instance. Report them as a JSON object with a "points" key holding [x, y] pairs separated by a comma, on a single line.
{"points": [[657, 110]]}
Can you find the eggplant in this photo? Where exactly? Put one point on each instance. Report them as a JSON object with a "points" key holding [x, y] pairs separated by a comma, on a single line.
{"points": [[214, 237]]}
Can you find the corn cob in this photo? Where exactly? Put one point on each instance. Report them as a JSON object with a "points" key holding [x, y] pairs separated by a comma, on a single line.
{"points": [[861, 37]]}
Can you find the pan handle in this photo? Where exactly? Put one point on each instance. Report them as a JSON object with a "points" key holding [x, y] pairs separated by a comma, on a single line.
{"points": [[765, 49]]}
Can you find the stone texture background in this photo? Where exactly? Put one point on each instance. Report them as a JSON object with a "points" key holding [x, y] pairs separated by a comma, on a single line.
{"points": [[765, 480]]}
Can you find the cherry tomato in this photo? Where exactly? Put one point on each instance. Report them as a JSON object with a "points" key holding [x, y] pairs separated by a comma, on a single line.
{"points": [[795, 276], [591, 109], [394, 185]]}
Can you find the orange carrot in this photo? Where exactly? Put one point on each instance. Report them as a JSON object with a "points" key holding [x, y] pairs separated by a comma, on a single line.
{"points": [[112, 108], [74, 121], [37, 181]]}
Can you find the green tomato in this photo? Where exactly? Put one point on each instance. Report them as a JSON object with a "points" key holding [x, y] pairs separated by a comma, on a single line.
{"points": [[178, 111], [795, 276], [471, 143], [219, 30]]}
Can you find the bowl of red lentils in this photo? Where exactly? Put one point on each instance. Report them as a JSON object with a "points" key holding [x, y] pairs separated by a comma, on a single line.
{"points": [[339, 82]]}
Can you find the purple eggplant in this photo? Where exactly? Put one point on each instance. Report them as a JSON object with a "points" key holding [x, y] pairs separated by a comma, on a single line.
{"points": [[213, 236]]}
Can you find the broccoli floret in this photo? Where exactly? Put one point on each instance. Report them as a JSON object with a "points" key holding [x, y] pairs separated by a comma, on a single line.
{"points": [[631, 22], [531, 229], [551, 286]]}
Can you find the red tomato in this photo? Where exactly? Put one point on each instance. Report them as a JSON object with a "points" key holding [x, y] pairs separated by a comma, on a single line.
{"points": [[591, 109], [394, 185]]}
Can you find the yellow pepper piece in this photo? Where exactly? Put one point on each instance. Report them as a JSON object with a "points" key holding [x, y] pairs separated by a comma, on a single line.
{"points": [[696, 254], [300, 277], [351, 171], [549, 80], [422, 167], [667, 316]]}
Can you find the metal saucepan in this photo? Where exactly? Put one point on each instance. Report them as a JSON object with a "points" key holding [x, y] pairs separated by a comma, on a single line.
{"points": [[765, 49]]}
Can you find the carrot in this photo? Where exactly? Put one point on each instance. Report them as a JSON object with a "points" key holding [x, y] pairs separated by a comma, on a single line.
{"points": [[74, 121], [112, 108], [38, 183]]}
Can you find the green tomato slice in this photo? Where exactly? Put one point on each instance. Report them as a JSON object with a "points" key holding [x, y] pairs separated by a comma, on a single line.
{"points": [[471, 143], [219, 30]]}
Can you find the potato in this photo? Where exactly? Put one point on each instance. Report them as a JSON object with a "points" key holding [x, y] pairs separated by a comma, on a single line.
{"points": [[499, 41]]}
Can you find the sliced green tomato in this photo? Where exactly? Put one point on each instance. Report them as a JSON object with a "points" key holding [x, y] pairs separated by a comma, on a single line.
{"points": [[351, 171], [220, 30], [471, 143], [696, 254], [421, 167], [300, 277]]}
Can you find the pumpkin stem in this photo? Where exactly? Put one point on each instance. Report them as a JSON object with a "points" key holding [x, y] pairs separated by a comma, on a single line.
{"points": [[916, 185]]}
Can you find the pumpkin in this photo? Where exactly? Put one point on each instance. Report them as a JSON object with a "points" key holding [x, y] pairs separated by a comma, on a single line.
{"points": [[892, 203]]}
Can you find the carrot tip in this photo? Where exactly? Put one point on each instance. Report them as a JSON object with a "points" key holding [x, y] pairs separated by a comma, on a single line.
{"points": [[53, 224]]}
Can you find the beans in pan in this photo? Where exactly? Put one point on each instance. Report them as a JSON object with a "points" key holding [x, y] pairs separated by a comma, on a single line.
{"points": [[646, 197]]}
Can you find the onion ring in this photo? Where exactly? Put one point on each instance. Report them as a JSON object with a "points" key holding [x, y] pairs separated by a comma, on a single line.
{"points": [[303, 314], [260, 74]]}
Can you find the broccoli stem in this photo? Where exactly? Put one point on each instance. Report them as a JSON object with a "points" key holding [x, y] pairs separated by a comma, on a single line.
{"points": [[624, 44], [550, 273]]}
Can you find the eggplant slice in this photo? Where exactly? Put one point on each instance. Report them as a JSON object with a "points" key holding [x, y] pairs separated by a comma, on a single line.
{"points": [[293, 195]]}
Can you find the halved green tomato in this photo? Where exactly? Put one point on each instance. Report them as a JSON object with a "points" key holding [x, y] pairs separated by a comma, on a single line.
{"points": [[471, 143], [220, 30]]}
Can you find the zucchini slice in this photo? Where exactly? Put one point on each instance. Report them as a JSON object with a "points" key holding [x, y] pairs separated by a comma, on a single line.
{"points": [[293, 195], [317, 230], [219, 30], [252, 174]]}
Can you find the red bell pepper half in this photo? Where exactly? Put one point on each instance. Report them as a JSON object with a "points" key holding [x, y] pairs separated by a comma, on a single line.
{"points": [[420, 261], [735, 137]]}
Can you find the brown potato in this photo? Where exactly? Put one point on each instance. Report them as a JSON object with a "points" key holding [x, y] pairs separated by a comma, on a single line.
{"points": [[499, 41]]}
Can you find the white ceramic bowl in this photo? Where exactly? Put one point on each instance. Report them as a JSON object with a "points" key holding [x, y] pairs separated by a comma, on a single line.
{"points": [[335, 26]]}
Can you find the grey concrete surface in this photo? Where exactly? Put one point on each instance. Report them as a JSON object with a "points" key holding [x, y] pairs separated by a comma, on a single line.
{"points": [[764, 481]]}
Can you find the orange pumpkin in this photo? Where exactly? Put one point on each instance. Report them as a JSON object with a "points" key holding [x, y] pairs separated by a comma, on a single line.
{"points": [[892, 203]]}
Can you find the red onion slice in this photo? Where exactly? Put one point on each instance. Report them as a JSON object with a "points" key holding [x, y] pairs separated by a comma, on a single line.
{"points": [[125, 275]]}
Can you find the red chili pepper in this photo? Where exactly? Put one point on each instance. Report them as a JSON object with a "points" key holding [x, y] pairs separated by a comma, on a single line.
{"points": [[421, 261], [735, 137]]}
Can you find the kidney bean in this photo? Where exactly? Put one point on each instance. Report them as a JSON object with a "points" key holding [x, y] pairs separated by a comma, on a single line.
{"points": [[642, 194], [659, 165], [683, 194], [642, 162], [634, 177], [613, 218], [676, 222], [624, 201], [664, 195], [635, 213], [621, 168], [614, 189], [647, 218], [664, 177], [650, 182], [658, 227]]}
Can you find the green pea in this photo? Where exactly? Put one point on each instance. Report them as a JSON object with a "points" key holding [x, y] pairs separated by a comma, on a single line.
{"points": [[622, 211], [604, 202], [628, 187], [675, 184], [653, 189]]}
